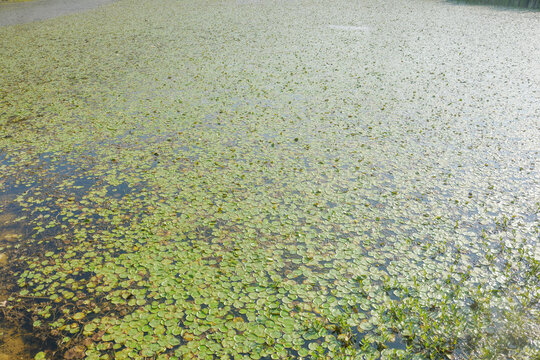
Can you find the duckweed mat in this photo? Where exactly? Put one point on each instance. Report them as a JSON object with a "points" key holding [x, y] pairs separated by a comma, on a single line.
{"points": [[272, 180]]}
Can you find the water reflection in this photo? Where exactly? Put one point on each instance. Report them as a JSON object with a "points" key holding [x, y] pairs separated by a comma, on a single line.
{"points": [[526, 4]]}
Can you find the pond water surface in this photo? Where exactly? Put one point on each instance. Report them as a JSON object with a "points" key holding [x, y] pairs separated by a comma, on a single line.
{"points": [[272, 179]]}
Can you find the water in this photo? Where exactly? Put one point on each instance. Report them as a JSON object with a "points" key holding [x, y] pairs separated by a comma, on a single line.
{"points": [[273, 178], [12, 13], [527, 4]]}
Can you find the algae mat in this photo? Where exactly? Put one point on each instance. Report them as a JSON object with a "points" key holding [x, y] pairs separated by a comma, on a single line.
{"points": [[272, 179]]}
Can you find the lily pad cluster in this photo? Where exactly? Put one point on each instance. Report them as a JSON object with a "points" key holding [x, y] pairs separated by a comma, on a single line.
{"points": [[272, 180]]}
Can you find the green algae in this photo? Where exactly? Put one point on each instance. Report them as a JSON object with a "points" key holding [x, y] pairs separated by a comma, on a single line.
{"points": [[234, 180]]}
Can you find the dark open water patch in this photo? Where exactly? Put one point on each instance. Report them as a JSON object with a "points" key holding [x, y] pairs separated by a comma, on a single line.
{"points": [[523, 4]]}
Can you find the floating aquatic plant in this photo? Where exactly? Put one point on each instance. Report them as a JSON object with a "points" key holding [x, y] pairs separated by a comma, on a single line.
{"points": [[248, 180]]}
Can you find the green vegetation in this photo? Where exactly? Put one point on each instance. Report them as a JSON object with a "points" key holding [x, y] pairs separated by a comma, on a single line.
{"points": [[249, 180]]}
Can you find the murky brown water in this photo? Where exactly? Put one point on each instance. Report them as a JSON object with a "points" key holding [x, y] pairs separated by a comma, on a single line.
{"points": [[13, 345]]}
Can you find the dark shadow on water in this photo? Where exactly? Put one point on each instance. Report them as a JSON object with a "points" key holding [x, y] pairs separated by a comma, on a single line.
{"points": [[519, 4]]}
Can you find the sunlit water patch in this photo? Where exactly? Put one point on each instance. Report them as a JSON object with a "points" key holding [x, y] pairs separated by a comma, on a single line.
{"points": [[365, 29]]}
